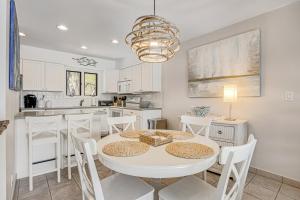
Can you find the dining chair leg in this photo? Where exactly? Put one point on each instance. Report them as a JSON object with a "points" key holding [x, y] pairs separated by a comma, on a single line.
{"points": [[205, 176], [30, 166], [69, 156], [58, 159]]}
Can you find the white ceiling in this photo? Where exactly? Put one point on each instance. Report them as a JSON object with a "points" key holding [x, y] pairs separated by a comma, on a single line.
{"points": [[94, 23]]}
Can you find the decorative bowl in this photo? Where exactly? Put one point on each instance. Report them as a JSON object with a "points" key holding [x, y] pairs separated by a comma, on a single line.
{"points": [[201, 111]]}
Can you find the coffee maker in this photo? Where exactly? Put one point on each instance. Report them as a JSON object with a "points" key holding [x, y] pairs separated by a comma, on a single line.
{"points": [[30, 101]]}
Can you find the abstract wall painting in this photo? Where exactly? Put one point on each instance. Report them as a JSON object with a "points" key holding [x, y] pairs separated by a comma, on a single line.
{"points": [[234, 60]]}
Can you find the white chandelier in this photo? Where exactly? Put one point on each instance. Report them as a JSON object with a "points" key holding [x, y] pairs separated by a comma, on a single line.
{"points": [[153, 38]]}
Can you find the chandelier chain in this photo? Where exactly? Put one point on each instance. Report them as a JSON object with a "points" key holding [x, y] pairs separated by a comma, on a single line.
{"points": [[154, 8]]}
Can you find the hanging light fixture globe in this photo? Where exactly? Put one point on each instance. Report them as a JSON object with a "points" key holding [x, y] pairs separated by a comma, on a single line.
{"points": [[153, 38]]}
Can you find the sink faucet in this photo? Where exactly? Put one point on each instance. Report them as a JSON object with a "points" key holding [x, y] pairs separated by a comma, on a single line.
{"points": [[81, 102]]}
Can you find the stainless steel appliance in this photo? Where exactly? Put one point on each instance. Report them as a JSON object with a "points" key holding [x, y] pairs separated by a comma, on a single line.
{"points": [[105, 103], [30, 101], [124, 87]]}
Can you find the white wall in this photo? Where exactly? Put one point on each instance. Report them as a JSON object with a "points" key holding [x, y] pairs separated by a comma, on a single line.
{"points": [[34, 53], [274, 121], [8, 108]]}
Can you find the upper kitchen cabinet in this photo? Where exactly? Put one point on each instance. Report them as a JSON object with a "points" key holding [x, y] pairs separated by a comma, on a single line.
{"points": [[54, 77], [42, 76], [136, 82], [110, 84], [33, 75], [125, 74], [151, 77]]}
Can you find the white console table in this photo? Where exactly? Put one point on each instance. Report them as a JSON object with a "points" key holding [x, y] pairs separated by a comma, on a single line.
{"points": [[228, 133]]}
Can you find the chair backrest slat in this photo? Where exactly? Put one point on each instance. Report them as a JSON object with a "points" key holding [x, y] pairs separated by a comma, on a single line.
{"points": [[90, 182], [80, 121], [202, 122], [127, 121], [236, 161], [41, 124]]}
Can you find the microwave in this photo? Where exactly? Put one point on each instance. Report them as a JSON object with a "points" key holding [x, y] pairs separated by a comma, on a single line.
{"points": [[124, 87]]}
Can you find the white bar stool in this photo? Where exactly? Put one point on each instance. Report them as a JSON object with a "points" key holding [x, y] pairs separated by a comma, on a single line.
{"points": [[79, 124], [43, 130]]}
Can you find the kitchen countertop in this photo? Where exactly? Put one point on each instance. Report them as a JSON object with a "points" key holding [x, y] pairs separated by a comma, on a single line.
{"points": [[22, 115], [86, 107], [3, 126], [39, 112]]}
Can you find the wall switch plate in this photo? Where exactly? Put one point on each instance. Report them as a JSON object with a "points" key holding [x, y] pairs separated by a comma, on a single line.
{"points": [[289, 96]]}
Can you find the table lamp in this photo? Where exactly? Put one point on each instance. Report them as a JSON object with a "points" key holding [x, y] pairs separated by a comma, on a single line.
{"points": [[230, 96]]}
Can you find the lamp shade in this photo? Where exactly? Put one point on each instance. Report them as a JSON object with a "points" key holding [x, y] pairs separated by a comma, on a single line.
{"points": [[230, 93]]}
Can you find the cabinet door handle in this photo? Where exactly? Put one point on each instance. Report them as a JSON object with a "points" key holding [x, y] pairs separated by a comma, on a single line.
{"points": [[220, 132]]}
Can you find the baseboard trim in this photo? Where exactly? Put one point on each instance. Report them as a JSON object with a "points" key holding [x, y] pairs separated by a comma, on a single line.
{"points": [[276, 177]]}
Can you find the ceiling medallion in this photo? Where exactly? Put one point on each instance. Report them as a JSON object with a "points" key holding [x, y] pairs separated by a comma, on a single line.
{"points": [[153, 38], [85, 61]]}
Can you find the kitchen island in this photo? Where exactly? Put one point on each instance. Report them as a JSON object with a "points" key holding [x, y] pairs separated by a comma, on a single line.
{"points": [[44, 155]]}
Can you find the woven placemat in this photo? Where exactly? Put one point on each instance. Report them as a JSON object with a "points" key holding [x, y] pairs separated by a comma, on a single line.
{"points": [[131, 134], [180, 135], [189, 150], [125, 148]]}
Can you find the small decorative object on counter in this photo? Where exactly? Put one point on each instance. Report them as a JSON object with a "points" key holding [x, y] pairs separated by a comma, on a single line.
{"points": [[156, 138], [201, 111]]}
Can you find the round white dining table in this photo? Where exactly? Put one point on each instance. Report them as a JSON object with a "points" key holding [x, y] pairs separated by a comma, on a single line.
{"points": [[156, 162]]}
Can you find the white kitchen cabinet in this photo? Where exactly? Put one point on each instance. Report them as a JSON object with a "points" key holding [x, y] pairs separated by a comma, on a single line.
{"points": [[142, 117], [54, 77], [125, 74], [144, 77], [111, 78], [33, 75], [136, 83], [43, 76], [147, 77], [151, 77]]}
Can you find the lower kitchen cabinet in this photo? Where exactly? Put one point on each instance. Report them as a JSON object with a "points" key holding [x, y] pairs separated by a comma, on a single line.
{"points": [[142, 116]]}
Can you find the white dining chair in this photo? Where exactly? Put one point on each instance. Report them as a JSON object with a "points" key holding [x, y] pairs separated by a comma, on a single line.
{"points": [[236, 160], [126, 121], [114, 187], [81, 124], [203, 123], [41, 131]]}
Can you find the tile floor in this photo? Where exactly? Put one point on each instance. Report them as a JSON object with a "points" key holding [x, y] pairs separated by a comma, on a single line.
{"points": [[47, 188]]}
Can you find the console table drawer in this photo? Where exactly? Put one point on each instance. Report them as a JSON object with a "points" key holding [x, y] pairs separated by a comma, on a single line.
{"points": [[222, 132], [223, 144]]}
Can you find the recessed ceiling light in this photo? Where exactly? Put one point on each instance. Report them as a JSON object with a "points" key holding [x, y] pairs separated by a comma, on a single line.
{"points": [[114, 41], [84, 47], [62, 27], [22, 34]]}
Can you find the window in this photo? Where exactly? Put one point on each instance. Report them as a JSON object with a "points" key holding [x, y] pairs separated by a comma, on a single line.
{"points": [[90, 84], [73, 83]]}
